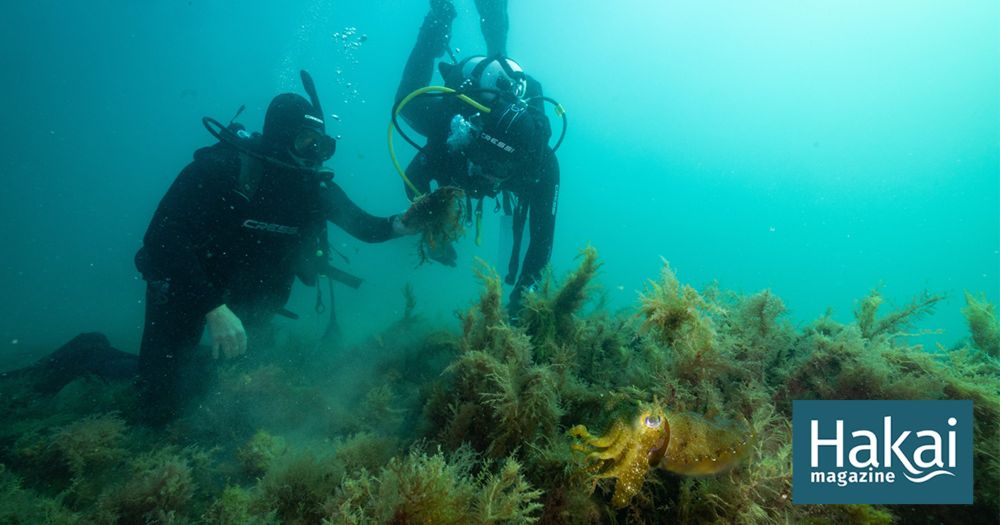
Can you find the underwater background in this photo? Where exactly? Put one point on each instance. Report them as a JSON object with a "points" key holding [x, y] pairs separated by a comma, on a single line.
{"points": [[818, 150]]}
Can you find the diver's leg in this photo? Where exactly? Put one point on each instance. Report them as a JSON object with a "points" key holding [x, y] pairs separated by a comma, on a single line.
{"points": [[494, 23], [169, 339], [432, 41], [256, 305]]}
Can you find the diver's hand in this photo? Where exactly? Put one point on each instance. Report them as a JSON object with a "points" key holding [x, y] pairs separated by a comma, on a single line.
{"points": [[442, 252], [227, 333], [441, 206], [402, 227]]}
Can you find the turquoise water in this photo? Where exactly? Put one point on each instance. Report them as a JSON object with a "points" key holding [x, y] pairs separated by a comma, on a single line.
{"points": [[819, 149]]}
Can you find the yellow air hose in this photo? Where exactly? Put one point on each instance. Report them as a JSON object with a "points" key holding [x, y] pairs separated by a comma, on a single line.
{"points": [[399, 107]]}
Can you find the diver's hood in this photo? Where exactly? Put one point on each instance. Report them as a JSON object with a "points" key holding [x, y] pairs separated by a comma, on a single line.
{"points": [[286, 116], [480, 73], [294, 136]]}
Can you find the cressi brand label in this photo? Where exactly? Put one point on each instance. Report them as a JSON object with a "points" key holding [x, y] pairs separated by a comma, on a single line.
{"points": [[270, 227]]}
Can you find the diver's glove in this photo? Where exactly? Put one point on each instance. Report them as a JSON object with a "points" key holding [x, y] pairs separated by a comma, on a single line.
{"points": [[438, 218], [439, 210], [228, 334], [436, 29], [400, 228]]}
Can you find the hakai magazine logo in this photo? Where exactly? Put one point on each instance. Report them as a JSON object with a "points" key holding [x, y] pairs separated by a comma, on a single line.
{"points": [[882, 452]]}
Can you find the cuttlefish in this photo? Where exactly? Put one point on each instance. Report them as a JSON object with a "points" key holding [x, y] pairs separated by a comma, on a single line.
{"points": [[684, 443]]}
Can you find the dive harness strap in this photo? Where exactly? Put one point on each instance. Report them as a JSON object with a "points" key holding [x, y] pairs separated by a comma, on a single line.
{"points": [[332, 274], [479, 221], [332, 326], [520, 218]]}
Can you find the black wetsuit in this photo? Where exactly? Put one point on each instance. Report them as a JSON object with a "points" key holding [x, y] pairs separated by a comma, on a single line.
{"points": [[217, 238], [535, 190]]}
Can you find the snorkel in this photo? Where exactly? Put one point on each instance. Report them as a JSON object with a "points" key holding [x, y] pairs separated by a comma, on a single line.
{"points": [[310, 87]]}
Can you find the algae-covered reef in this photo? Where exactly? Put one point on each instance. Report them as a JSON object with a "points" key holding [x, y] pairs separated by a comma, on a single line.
{"points": [[677, 411]]}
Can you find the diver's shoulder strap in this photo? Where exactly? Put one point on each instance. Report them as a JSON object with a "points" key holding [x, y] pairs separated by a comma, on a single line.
{"points": [[251, 171]]}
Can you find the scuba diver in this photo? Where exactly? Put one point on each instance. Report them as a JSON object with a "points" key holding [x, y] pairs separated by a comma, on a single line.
{"points": [[232, 233], [487, 133]]}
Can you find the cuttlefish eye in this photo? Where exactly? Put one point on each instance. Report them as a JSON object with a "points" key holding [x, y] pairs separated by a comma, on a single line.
{"points": [[653, 421]]}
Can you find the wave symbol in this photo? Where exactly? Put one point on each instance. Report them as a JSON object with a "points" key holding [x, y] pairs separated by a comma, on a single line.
{"points": [[934, 474]]}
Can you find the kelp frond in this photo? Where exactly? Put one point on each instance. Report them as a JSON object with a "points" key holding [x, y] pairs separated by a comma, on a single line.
{"points": [[893, 323], [983, 324], [547, 316], [676, 314]]}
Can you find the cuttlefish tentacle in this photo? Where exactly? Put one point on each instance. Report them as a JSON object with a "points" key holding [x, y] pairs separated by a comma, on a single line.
{"points": [[625, 452], [687, 445], [599, 448], [613, 450], [613, 437]]}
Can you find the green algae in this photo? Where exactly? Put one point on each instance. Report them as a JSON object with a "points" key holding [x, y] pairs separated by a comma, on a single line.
{"points": [[423, 488], [983, 324], [422, 425], [438, 217]]}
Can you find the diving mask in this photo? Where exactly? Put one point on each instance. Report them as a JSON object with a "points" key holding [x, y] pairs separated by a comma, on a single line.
{"points": [[313, 145]]}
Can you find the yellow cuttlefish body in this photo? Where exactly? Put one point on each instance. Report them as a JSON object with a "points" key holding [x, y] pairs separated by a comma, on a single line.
{"points": [[687, 444]]}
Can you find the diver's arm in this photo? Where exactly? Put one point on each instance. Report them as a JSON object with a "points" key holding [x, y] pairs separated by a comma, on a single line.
{"points": [[543, 204], [432, 42], [175, 235], [342, 211], [494, 23]]}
